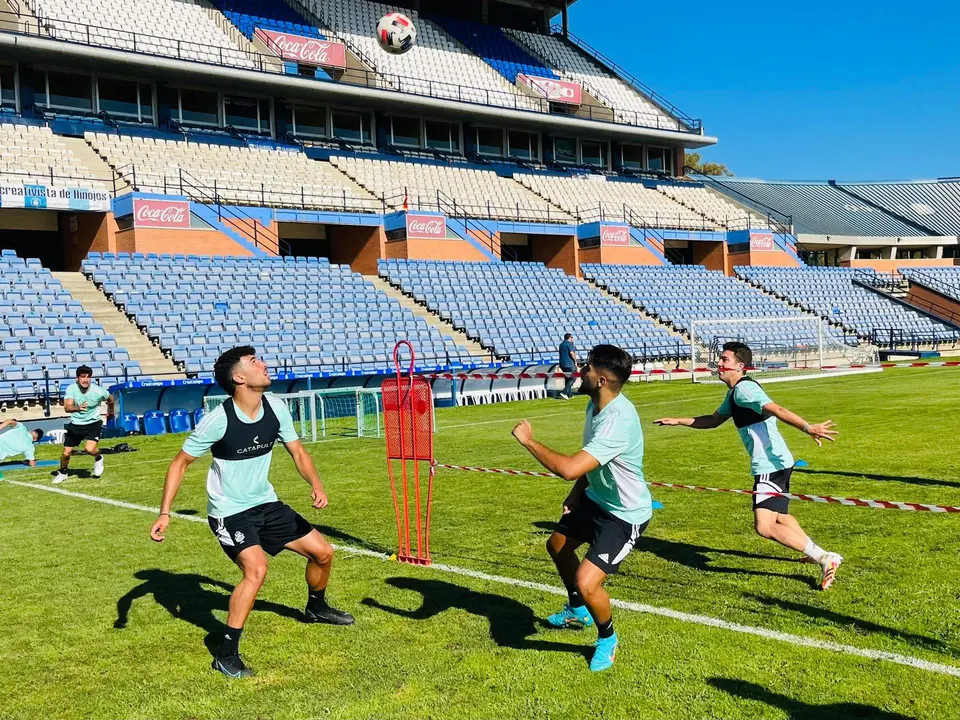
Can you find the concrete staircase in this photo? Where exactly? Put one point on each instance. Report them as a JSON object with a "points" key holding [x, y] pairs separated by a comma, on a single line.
{"points": [[152, 361], [96, 165], [474, 348]]}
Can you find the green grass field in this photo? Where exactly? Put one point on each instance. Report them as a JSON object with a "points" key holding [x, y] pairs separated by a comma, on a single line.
{"points": [[97, 621]]}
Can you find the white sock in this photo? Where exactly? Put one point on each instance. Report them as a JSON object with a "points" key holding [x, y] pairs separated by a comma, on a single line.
{"points": [[814, 551]]}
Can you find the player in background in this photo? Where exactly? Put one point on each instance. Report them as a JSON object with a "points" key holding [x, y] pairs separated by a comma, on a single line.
{"points": [[82, 401], [771, 463], [609, 506], [17, 440]]}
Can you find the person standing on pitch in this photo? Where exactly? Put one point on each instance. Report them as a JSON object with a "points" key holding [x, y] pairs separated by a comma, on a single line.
{"points": [[609, 506], [83, 400], [243, 510], [771, 463], [18, 441], [568, 364]]}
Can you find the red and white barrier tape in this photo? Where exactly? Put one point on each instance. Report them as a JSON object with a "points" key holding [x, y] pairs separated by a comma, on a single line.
{"points": [[541, 375], [856, 502], [946, 363]]}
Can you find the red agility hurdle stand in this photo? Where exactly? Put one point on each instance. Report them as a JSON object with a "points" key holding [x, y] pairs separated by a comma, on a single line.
{"points": [[407, 416]]}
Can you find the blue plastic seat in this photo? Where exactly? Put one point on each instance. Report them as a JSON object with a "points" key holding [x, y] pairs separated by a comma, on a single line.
{"points": [[154, 423], [180, 421]]}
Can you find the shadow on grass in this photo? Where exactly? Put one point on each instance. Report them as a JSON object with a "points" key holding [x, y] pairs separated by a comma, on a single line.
{"points": [[331, 533], [850, 621], [187, 597], [796, 710], [698, 557], [511, 622], [881, 478]]}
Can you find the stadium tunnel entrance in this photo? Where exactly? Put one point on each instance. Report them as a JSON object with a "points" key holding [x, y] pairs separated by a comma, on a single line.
{"points": [[359, 246], [59, 239], [552, 250]]}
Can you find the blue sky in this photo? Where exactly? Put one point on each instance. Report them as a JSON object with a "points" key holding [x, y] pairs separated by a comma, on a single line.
{"points": [[814, 90]]}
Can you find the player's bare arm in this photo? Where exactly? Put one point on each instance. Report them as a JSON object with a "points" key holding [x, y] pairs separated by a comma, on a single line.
{"points": [[569, 467], [818, 431], [171, 485], [701, 422], [308, 471]]}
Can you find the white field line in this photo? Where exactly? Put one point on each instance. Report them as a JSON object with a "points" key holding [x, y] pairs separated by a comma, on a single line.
{"points": [[705, 620]]}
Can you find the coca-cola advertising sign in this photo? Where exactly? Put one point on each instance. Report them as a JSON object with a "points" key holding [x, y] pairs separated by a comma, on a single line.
{"points": [[304, 50], [761, 242], [426, 227], [614, 235], [161, 214], [558, 91]]}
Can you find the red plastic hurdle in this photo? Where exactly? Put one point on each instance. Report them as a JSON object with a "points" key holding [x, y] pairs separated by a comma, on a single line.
{"points": [[408, 426]]}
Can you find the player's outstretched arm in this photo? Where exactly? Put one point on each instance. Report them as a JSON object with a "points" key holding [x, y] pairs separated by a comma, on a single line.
{"points": [[170, 488], [7, 423], [701, 422], [308, 471], [569, 467], [818, 431]]}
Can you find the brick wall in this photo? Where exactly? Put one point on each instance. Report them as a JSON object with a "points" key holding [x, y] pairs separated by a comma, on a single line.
{"points": [[358, 247], [557, 251], [934, 303], [712, 255], [85, 233], [187, 242], [451, 249]]}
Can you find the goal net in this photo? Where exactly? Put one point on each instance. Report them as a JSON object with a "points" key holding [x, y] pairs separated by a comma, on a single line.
{"points": [[784, 348], [334, 412]]}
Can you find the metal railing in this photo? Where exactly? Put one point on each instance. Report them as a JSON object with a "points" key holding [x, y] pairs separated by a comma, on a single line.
{"points": [[125, 40], [429, 200], [933, 282], [779, 222], [618, 212], [449, 206]]}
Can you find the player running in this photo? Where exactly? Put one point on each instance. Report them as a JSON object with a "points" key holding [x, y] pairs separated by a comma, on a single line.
{"points": [[18, 441], [609, 506], [755, 416], [82, 401], [242, 507]]}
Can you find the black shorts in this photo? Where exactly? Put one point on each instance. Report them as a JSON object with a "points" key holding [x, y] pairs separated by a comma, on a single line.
{"points": [[271, 526], [610, 538], [77, 434], [778, 481]]}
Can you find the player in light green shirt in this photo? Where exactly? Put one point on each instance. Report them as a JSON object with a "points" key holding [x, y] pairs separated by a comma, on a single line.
{"points": [[15, 440], [609, 506], [82, 400], [771, 463]]}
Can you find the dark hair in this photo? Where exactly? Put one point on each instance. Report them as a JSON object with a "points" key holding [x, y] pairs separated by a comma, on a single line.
{"points": [[223, 368], [568, 336], [37, 434], [741, 352], [612, 359], [84, 370]]}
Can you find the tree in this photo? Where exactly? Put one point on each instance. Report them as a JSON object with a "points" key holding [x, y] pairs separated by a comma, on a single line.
{"points": [[693, 160]]}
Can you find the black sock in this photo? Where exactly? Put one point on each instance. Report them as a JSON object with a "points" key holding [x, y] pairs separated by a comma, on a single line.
{"points": [[605, 630], [231, 641], [574, 598], [317, 598], [98, 457]]}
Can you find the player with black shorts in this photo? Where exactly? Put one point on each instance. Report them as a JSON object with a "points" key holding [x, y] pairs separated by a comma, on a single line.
{"points": [[609, 506], [755, 416], [82, 400], [243, 510]]}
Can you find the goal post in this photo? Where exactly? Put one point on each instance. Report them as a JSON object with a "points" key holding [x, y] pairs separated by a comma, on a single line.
{"points": [[332, 412], [784, 348]]}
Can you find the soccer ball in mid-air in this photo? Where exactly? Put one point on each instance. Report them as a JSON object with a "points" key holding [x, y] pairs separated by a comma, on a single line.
{"points": [[396, 33]]}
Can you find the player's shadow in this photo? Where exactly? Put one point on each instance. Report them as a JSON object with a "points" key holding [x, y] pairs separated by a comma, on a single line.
{"points": [[511, 622], [188, 597], [699, 557], [796, 710], [857, 624], [332, 533], [881, 478]]}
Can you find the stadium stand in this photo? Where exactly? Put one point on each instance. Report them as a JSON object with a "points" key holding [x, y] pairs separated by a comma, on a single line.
{"points": [[596, 197], [46, 334], [713, 206], [310, 316], [435, 186], [437, 66], [571, 64], [520, 311], [248, 15], [169, 28], [932, 204], [32, 153], [944, 280], [496, 49], [675, 294], [246, 175], [832, 294], [818, 208]]}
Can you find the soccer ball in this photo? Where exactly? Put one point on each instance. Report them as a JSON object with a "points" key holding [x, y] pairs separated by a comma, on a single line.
{"points": [[396, 33]]}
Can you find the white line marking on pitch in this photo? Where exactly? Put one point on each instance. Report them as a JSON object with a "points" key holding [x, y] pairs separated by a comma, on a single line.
{"points": [[691, 618]]}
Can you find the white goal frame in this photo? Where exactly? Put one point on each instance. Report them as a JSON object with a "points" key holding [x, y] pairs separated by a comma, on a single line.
{"points": [[816, 355]]}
